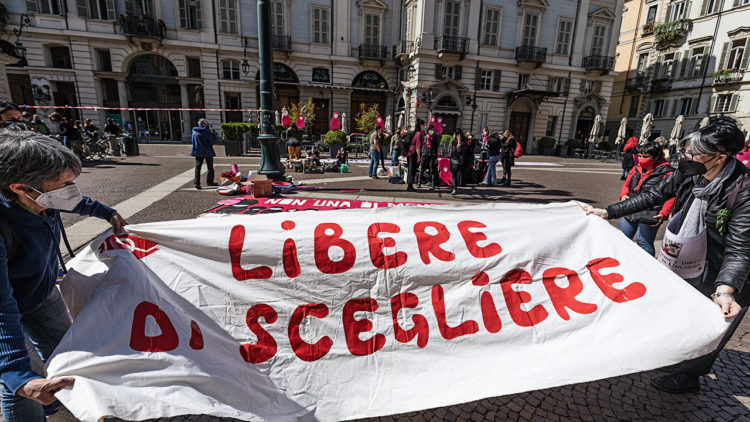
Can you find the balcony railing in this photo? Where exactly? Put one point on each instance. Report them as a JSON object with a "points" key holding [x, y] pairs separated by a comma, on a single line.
{"points": [[637, 83], [728, 76], [531, 54], [370, 51], [452, 44], [661, 85], [142, 26], [403, 47], [605, 63], [281, 42], [672, 31]]}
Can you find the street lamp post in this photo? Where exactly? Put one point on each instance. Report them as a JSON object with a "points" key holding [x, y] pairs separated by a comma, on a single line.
{"points": [[472, 101], [270, 162]]}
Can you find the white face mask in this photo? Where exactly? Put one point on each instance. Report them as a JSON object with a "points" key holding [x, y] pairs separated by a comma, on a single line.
{"points": [[432, 132], [65, 198]]}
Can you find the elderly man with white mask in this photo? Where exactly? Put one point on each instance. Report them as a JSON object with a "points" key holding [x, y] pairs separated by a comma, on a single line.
{"points": [[37, 182]]}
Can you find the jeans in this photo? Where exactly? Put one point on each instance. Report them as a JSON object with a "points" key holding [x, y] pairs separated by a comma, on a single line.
{"points": [[456, 175], [374, 158], [395, 153], [413, 168], [209, 165], [428, 162], [507, 165], [45, 327], [644, 233], [68, 141], [491, 177]]}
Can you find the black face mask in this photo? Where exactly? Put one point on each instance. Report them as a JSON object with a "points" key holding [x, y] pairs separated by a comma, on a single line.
{"points": [[693, 168]]}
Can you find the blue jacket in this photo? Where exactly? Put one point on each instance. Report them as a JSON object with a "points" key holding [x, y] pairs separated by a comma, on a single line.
{"points": [[203, 142], [29, 277]]}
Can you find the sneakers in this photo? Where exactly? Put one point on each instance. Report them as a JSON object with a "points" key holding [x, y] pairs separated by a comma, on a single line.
{"points": [[453, 192], [62, 415], [677, 383]]}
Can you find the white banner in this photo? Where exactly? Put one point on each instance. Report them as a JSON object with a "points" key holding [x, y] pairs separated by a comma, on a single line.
{"points": [[359, 313]]}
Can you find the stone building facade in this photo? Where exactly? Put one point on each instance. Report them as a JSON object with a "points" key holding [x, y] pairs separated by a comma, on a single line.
{"points": [[538, 67]]}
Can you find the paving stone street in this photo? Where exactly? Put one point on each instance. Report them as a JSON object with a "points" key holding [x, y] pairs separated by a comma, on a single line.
{"points": [[724, 395]]}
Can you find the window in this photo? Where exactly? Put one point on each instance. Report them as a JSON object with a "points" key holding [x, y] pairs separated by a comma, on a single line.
{"points": [[486, 81], [228, 16], [743, 2], [190, 14], [695, 63], [491, 27], [651, 16], [723, 103], [103, 60], [635, 102], [523, 81], [484, 118], [711, 6], [676, 11], [551, 125], [448, 72], [233, 100], [530, 24], [193, 67], [685, 104], [452, 17], [597, 40], [60, 57], [48, 7], [110, 94], [735, 54], [320, 25], [410, 23], [564, 31], [642, 64], [140, 7], [372, 29], [320, 74], [559, 84], [97, 9], [658, 108], [231, 70], [588, 87], [667, 66], [277, 18]]}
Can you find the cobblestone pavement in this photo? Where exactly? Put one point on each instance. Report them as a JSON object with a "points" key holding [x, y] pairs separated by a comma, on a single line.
{"points": [[724, 396]]}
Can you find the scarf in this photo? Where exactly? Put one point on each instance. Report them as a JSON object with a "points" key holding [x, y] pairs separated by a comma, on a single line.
{"points": [[692, 222]]}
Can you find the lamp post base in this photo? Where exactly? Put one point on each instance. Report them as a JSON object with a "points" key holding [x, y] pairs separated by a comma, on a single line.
{"points": [[270, 159]]}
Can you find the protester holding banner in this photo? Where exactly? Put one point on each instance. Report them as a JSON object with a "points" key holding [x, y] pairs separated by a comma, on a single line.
{"points": [[37, 182], [712, 224], [652, 168], [413, 153]]}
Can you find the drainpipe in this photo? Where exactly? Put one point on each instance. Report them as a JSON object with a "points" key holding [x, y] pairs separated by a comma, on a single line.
{"points": [[73, 65], [479, 28], [707, 58], [632, 53], [573, 37]]}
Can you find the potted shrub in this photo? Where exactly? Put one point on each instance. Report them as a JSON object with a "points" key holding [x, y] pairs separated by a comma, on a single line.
{"points": [[232, 133], [605, 146], [573, 144], [335, 139], [547, 145]]}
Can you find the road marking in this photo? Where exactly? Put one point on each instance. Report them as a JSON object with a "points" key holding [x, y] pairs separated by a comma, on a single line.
{"points": [[613, 172], [84, 231]]}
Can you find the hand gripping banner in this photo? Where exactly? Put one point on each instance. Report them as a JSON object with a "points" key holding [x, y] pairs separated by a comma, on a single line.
{"points": [[358, 313]]}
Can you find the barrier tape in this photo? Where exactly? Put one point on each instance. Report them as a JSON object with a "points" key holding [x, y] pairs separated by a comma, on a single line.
{"points": [[141, 108]]}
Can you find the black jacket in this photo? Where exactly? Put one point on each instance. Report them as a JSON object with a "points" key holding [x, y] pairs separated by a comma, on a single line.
{"points": [[494, 146], [458, 154], [508, 149], [66, 129], [729, 255], [629, 158]]}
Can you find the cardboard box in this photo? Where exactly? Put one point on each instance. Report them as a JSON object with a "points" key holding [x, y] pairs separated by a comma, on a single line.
{"points": [[260, 186]]}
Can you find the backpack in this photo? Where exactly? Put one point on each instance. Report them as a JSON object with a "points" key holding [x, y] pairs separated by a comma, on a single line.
{"points": [[9, 236], [519, 150]]}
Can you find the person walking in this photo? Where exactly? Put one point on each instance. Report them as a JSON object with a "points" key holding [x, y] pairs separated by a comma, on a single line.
{"points": [[111, 132], [293, 145], [413, 153], [709, 182], [428, 158], [507, 156], [652, 168], [375, 150], [396, 145], [493, 150], [457, 157], [203, 150], [37, 182], [629, 156]]}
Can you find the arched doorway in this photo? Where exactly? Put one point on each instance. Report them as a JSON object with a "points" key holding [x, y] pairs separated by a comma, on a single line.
{"points": [[285, 87], [152, 83], [447, 108], [369, 88], [585, 122], [520, 120]]}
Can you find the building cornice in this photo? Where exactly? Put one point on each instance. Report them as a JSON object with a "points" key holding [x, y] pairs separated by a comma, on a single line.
{"points": [[738, 31], [700, 40]]}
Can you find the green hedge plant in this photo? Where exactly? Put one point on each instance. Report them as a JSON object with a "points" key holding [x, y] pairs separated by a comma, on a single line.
{"points": [[335, 137], [547, 142]]}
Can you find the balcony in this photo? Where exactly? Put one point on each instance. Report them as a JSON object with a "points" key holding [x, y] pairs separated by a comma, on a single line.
{"points": [[672, 32], [142, 26], [281, 42], [403, 48], [536, 55], [603, 63], [661, 85], [728, 76], [635, 84], [371, 51], [648, 29], [451, 44]]}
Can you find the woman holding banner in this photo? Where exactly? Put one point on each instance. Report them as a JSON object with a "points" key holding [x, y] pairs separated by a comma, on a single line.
{"points": [[708, 240]]}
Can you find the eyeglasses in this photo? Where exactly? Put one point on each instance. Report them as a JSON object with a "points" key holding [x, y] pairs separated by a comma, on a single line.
{"points": [[685, 154]]}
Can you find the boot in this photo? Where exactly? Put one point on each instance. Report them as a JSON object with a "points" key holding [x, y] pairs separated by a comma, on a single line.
{"points": [[677, 383]]}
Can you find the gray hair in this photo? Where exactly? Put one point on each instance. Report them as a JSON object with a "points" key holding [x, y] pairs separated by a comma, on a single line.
{"points": [[31, 158], [202, 121]]}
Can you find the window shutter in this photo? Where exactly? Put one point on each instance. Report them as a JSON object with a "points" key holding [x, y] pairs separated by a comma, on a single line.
{"points": [[733, 104], [551, 84], [704, 61], [457, 72], [694, 107], [703, 8], [676, 66], [198, 15], [111, 10], [656, 70], [83, 10], [673, 109], [438, 71], [478, 79], [684, 65], [31, 6], [668, 16], [712, 107], [130, 7], [183, 13], [566, 86], [724, 57], [736, 3], [745, 54], [496, 81], [687, 10]]}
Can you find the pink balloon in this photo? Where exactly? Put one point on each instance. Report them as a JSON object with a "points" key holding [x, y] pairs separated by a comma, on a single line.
{"points": [[335, 122], [379, 122], [300, 121], [285, 120]]}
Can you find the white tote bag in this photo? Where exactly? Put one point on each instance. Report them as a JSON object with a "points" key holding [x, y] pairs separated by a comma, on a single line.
{"points": [[684, 255]]}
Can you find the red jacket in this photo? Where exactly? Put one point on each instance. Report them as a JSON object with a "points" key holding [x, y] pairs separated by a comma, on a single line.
{"points": [[637, 178]]}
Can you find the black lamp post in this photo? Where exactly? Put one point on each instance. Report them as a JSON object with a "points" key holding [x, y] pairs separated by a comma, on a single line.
{"points": [[18, 49], [270, 161], [245, 65], [472, 101], [410, 71]]}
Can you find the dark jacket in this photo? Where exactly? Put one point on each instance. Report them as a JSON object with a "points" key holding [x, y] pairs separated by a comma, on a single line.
{"points": [[458, 154], [469, 153], [29, 277], [629, 158], [415, 143], [494, 145], [430, 144], [640, 181], [66, 129], [203, 142], [508, 149], [729, 255]]}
